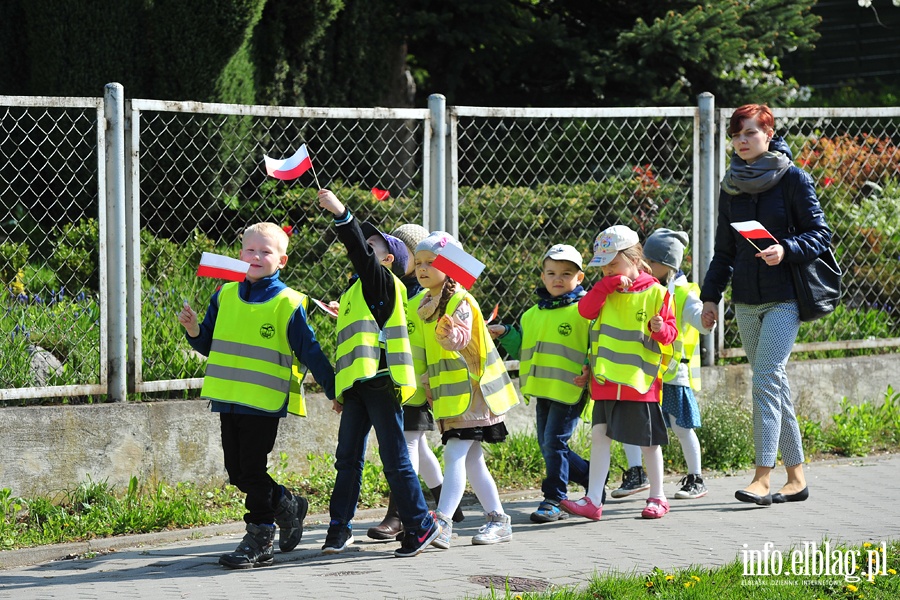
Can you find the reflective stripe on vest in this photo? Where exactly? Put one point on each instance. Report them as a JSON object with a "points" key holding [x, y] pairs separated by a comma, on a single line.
{"points": [[361, 342], [250, 359], [417, 347], [448, 373], [687, 344], [622, 350], [554, 348]]}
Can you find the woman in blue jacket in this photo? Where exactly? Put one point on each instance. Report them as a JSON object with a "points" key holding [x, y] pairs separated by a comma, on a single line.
{"points": [[760, 185]]}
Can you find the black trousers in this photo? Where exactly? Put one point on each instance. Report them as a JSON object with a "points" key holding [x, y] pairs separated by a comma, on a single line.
{"points": [[247, 441]]}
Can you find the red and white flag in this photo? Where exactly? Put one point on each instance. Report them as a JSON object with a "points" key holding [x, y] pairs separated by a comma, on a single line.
{"points": [[289, 168], [222, 267], [752, 230], [458, 265], [327, 309], [493, 314]]}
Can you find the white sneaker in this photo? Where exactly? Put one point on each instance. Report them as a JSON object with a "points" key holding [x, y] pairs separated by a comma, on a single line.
{"points": [[497, 529], [443, 540]]}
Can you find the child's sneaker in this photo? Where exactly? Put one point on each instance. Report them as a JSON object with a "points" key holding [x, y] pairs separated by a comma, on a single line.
{"points": [[634, 480], [497, 529], [415, 542], [337, 539], [583, 508], [656, 508], [547, 512], [442, 541], [692, 486]]}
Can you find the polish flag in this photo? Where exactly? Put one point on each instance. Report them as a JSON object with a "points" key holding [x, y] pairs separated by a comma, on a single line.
{"points": [[493, 314], [330, 311], [290, 168], [222, 267], [458, 265], [752, 230]]}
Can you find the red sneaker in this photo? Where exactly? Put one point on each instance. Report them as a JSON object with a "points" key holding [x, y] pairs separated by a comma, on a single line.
{"points": [[583, 508]]}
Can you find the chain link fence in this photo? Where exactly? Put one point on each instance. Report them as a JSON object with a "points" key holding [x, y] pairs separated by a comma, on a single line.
{"points": [[528, 179], [517, 181], [202, 181], [853, 155], [52, 254]]}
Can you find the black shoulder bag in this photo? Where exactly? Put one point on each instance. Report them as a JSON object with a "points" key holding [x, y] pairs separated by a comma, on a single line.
{"points": [[818, 281]]}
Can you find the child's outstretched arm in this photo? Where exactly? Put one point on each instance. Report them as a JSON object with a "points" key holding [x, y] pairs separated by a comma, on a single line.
{"points": [[692, 314], [509, 338], [306, 347]]}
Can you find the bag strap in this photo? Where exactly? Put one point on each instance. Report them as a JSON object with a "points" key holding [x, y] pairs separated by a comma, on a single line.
{"points": [[789, 189]]}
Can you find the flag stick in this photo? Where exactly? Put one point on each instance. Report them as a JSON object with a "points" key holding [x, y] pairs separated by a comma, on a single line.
{"points": [[313, 169], [754, 245]]}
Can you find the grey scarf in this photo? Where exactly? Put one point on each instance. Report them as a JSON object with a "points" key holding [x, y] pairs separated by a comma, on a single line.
{"points": [[753, 178]]}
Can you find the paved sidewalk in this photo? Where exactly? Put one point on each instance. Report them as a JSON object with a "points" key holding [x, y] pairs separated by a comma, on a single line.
{"points": [[850, 501]]}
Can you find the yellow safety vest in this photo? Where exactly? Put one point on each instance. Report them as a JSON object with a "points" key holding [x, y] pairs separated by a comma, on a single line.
{"points": [[554, 348], [417, 346], [622, 350], [250, 360], [449, 376], [360, 343], [687, 344]]}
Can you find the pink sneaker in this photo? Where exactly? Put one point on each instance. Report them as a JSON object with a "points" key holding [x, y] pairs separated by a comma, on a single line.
{"points": [[583, 508], [655, 509]]}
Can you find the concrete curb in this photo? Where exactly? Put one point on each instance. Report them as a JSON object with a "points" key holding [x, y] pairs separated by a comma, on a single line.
{"points": [[41, 554]]}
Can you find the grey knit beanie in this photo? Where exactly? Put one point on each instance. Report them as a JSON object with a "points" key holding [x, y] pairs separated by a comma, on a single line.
{"points": [[666, 247], [410, 234]]}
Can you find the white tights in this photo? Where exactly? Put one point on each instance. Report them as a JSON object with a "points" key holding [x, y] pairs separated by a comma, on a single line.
{"points": [[600, 458], [461, 458], [423, 460]]}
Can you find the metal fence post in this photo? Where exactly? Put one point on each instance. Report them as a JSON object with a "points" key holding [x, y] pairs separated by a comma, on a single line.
{"points": [[436, 211], [707, 216], [114, 111]]}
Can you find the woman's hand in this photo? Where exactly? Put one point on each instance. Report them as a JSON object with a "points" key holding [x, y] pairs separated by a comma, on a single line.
{"points": [[773, 255]]}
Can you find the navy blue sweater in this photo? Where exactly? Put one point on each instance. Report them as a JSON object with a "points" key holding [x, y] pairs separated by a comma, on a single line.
{"points": [[752, 281], [301, 338]]}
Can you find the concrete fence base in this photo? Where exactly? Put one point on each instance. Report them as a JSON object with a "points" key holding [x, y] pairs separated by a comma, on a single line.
{"points": [[54, 448]]}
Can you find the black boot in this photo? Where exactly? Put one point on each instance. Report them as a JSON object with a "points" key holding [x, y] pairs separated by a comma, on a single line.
{"points": [[390, 526], [289, 514], [458, 515], [255, 550]]}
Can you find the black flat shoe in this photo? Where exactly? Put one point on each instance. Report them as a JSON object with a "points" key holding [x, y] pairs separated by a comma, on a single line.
{"points": [[798, 497], [745, 496]]}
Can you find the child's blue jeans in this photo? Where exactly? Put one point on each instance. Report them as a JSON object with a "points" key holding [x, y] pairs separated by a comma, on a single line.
{"points": [[555, 424], [375, 403]]}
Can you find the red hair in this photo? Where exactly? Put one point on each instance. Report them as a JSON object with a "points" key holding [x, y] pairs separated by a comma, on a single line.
{"points": [[760, 112]]}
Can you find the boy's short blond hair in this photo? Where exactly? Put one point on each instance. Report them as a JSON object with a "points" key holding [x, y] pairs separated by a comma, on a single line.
{"points": [[271, 231]]}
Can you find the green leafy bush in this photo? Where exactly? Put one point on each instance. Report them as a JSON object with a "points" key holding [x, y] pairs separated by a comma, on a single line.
{"points": [[75, 256], [13, 257]]}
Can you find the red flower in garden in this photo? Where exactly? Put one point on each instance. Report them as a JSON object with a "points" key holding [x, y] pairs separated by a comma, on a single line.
{"points": [[289, 230], [828, 181]]}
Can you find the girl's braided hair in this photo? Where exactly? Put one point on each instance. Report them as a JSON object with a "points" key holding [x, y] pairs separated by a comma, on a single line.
{"points": [[446, 293]]}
